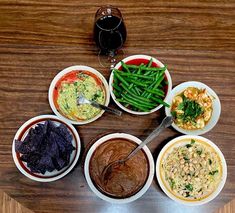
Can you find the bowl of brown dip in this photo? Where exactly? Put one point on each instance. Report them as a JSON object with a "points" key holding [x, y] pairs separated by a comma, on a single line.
{"points": [[127, 182]]}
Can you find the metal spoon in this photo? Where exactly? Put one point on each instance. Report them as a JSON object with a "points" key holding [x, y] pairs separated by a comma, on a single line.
{"points": [[82, 100], [166, 122]]}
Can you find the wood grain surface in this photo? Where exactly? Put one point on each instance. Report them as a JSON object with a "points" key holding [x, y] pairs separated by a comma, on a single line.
{"points": [[9, 205], [196, 39], [228, 208]]}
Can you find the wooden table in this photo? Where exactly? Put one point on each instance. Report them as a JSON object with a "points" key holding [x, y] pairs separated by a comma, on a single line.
{"points": [[39, 38]]}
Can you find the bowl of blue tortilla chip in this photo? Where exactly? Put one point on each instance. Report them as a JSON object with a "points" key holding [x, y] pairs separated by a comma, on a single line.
{"points": [[45, 148]]}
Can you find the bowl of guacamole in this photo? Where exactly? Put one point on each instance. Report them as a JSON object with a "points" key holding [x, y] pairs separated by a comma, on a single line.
{"points": [[66, 87]]}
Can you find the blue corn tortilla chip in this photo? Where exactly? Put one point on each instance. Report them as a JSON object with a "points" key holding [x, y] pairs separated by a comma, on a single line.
{"points": [[23, 148], [64, 132], [46, 147]]}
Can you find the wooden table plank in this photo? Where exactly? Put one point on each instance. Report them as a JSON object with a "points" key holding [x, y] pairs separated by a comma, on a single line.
{"points": [[198, 25], [228, 208], [9, 205]]}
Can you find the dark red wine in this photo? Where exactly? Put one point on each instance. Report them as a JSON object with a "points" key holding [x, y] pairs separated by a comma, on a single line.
{"points": [[109, 33]]}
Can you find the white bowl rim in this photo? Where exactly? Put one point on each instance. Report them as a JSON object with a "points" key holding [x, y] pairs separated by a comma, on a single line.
{"points": [[87, 173], [27, 123], [143, 57], [224, 168], [216, 104], [67, 70]]}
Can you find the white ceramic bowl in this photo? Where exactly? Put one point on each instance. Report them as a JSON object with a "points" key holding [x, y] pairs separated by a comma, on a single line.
{"points": [[48, 176], [215, 105], [60, 75], [138, 59], [179, 141], [93, 187]]}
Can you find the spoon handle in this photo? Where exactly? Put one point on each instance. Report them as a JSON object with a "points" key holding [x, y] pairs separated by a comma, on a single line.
{"points": [[166, 122], [108, 109]]}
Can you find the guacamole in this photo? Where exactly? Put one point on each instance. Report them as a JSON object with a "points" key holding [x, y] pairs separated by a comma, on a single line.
{"points": [[68, 89]]}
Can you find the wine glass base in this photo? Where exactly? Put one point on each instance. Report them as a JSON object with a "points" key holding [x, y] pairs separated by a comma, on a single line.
{"points": [[108, 61]]}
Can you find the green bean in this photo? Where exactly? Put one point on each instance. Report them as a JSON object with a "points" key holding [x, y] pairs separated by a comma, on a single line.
{"points": [[134, 104], [124, 66], [155, 92], [117, 87], [134, 95], [134, 75], [145, 93], [141, 86], [114, 77], [159, 91], [156, 85], [158, 82], [160, 101], [139, 83], [134, 81], [131, 89], [161, 72], [125, 103], [150, 63], [120, 78], [147, 68], [147, 73], [125, 83], [146, 104], [140, 68], [137, 91], [118, 95]]}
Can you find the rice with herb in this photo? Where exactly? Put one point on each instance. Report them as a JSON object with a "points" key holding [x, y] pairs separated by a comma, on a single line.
{"points": [[193, 170]]}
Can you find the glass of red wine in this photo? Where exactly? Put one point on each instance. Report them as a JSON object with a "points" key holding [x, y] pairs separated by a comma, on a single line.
{"points": [[109, 34]]}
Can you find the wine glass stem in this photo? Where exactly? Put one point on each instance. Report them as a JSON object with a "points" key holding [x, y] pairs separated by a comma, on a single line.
{"points": [[112, 59]]}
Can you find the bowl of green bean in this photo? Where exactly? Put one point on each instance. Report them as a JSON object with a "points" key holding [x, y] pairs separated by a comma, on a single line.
{"points": [[140, 84]]}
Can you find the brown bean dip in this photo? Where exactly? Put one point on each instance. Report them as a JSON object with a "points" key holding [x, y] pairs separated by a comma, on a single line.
{"points": [[126, 179]]}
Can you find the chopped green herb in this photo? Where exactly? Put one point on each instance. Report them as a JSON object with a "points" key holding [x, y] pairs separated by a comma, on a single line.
{"points": [[172, 183], [189, 187], [191, 110], [186, 158], [66, 106], [199, 152], [188, 145], [174, 114], [213, 172], [187, 194], [82, 75], [193, 141], [181, 106], [210, 161]]}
